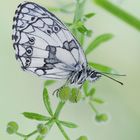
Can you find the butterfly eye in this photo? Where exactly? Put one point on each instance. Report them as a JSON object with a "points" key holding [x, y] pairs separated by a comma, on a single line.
{"points": [[29, 51], [28, 61], [56, 29], [32, 40], [49, 31], [32, 18]]}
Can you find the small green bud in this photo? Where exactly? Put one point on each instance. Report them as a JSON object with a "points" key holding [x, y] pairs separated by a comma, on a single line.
{"points": [[12, 127], [75, 95], [40, 137], [64, 93], [101, 117], [82, 138], [42, 129]]}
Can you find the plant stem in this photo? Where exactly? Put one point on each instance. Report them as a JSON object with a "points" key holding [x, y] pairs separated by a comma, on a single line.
{"points": [[32, 133], [58, 109], [93, 108], [62, 131], [115, 10], [21, 135], [35, 131]]}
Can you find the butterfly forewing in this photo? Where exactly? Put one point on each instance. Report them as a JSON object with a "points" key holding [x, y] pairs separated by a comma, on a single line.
{"points": [[43, 44]]}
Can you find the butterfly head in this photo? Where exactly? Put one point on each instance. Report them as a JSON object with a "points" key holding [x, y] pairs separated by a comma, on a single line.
{"points": [[93, 75]]}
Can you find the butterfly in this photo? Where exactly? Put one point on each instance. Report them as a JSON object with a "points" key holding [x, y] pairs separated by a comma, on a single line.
{"points": [[45, 46]]}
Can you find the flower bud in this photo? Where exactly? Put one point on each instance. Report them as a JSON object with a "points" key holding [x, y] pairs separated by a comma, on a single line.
{"points": [[64, 93], [40, 137], [101, 117], [12, 127], [75, 95], [42, 129]]}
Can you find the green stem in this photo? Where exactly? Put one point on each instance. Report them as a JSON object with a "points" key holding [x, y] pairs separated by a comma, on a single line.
{"points": [[31, 134], [35, 131], [20, 134], [62, 131], [115, 10], [93, 108], [58, 109]]}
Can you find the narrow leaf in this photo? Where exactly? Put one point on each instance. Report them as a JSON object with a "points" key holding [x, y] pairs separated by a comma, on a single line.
{"points": [[91, 92], [97, 41], [35, 116], [62, 131], [103, 68], [85, 87], [79, 10], [68, 124], [46, 100], [48, 82], [89, 15], [97, 100]]}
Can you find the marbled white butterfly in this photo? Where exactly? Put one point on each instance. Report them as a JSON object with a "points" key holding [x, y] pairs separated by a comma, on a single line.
{"points": [[45, 46]]}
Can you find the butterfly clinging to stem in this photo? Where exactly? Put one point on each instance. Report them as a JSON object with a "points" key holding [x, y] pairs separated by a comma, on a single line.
{"points": [[45, 47]]}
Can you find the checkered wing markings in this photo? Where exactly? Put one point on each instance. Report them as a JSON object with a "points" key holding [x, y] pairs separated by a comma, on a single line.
{"points": [[43, 44]]}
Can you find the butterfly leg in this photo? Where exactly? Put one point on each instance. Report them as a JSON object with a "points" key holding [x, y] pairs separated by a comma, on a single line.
{"points": [[56, 92]]}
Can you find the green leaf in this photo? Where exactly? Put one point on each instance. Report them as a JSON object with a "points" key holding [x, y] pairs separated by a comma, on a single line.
{"points": [[89, 15], [85, 87], [82, 138], [47, 103], [79, 10], [35, 116], [77, 16], [48, 82], [68, 124], [97, 41], [97, 100], [103, 68], [91, 92], [62, 131]]}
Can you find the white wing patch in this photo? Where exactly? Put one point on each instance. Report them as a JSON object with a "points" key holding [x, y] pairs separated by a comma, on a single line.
{"points": [[43, 44]]}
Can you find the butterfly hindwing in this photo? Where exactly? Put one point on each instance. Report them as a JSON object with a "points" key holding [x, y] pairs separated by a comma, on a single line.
{"points": [[43, 44]]}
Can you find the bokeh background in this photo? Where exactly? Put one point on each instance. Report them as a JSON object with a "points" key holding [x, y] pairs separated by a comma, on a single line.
{"points": [[20, 91]]}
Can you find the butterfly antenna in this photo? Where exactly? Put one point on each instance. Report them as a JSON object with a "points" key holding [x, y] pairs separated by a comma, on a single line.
{"points": [[104, 74], [114, 74]]}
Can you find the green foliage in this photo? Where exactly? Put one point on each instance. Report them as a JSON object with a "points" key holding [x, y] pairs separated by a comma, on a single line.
{"points": [[120, 13], [97, 42], [48, 83], [83, 138], [47, 101], [68, 124], [102, 68], [35, 116]]}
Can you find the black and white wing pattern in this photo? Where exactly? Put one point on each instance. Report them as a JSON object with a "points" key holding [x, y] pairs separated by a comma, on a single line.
{"points": [[43, 44]]}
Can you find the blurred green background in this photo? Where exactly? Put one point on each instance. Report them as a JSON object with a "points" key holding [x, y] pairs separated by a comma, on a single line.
{"points": [[20, 91]]}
